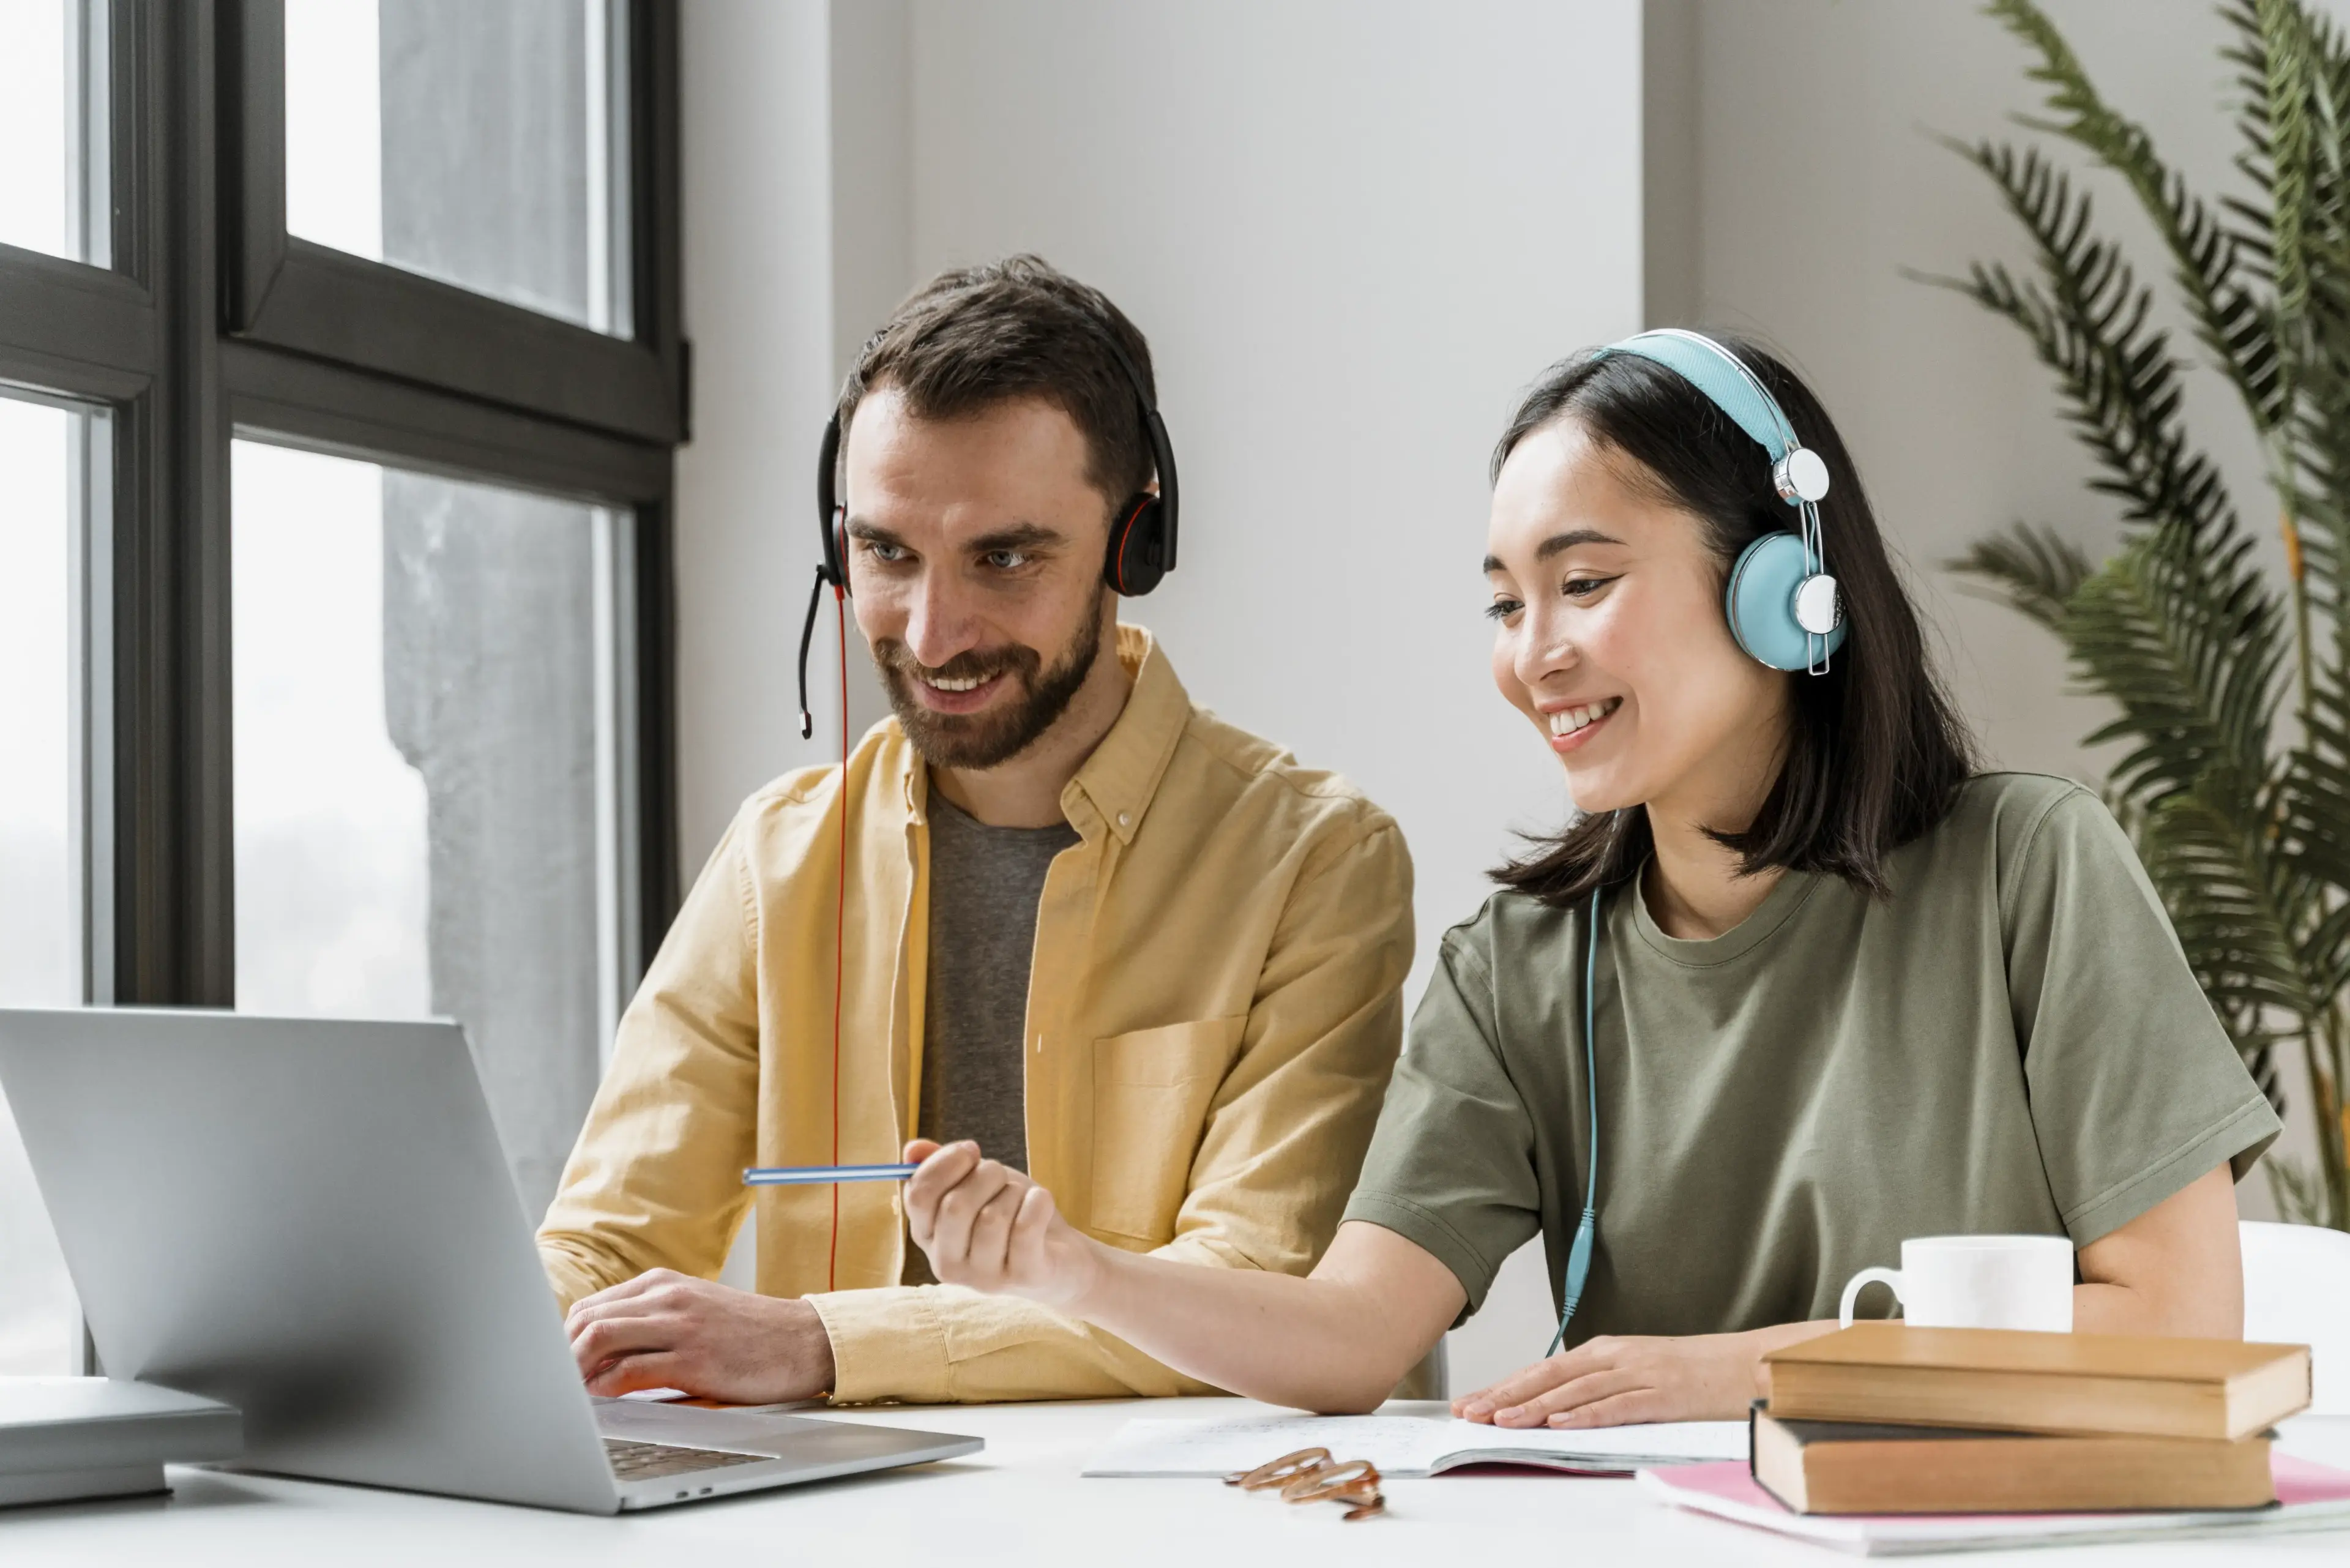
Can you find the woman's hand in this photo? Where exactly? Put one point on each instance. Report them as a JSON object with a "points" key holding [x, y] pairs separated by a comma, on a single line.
{"points": [[1611, 1382], [985, 1225]]}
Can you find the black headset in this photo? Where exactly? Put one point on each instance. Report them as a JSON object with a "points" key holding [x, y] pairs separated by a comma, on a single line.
{"points": [[1141, 540]]}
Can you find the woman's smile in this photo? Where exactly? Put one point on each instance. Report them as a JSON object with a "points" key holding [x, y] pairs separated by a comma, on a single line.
{"points": [[1572, 728]]}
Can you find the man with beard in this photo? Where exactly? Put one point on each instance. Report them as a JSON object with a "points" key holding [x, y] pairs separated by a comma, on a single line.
{"points": [[1050, 907]]}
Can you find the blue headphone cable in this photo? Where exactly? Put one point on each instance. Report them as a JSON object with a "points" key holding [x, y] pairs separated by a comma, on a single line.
{"points": [[1579, 1256]]}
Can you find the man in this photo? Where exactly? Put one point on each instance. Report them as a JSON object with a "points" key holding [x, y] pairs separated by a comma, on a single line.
{"points": [[1090, 927]]}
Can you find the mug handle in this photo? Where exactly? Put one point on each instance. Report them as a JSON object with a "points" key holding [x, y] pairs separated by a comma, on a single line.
{"points": [[1889, 1278]]}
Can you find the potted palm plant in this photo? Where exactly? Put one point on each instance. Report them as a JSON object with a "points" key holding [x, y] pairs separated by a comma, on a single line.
{"points": [[2231, 679]]}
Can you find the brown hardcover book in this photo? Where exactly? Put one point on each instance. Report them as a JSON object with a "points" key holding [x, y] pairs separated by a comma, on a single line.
{"points": [[1839, 1467], [2013, 1381]]}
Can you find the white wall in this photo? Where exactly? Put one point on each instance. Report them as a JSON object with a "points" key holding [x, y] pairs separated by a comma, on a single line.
{"points": [[755, 87], [796, 206], [1819, 180]]}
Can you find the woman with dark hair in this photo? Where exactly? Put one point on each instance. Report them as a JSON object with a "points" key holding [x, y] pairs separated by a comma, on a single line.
{"points": [[1825, 985]]}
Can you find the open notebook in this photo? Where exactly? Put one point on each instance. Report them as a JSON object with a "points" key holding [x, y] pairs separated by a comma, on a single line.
{"points": [[2310, 1496], [1407, 1446]]}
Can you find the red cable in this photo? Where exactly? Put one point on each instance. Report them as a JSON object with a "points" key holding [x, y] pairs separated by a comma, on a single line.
{"points": [[839, 933]]}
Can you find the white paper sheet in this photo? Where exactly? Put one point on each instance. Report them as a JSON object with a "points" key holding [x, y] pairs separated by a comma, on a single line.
{"points": [[1405, 1445]]}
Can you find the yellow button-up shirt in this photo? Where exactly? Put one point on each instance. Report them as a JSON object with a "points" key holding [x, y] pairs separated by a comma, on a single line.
{"points": [[1214, 1007]]}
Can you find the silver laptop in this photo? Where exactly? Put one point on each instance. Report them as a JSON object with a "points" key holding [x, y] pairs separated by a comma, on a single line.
{"points": [[313, 1221]]}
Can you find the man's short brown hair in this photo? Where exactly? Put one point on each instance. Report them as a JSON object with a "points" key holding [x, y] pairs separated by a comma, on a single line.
{"points": [[977, 337]]}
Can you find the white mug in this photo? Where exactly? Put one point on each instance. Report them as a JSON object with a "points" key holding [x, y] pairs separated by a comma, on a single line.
{"points": [[1977, 1282]]}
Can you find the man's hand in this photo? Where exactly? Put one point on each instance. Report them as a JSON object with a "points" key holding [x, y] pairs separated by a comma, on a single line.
{"points": [[668, 1330], [1608, 1381], [987, 1226]]}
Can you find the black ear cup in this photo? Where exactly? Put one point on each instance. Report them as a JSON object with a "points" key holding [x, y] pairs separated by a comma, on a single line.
{"points": [[1138, 548], [832, 570], [829, 519], [1141, 539]]}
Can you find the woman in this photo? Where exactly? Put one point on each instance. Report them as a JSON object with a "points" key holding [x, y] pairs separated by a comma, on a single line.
{"points": [[1844, 990]]}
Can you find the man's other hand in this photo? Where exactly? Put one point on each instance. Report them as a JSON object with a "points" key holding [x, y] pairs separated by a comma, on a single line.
{"points": [[668, 1330]]}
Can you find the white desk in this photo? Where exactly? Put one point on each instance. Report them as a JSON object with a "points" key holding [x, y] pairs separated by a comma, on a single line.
{"points": [[1020, 1502]]}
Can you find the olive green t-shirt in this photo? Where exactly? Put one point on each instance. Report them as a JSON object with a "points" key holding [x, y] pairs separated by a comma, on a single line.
{"points": [[2011, 1042]]}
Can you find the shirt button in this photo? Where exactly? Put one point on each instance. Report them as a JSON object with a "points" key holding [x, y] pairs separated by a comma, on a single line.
{"points": [[1122, 819], [1040, 1045]]}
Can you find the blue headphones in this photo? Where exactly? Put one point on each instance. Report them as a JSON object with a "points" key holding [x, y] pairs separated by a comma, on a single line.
{"points": [[1784, 609], [1783, 605]]}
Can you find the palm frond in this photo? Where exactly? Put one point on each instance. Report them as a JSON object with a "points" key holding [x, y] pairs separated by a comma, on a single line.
{"points": [[2206, 253], [2034, 571], [2248, 1023], [2090, 320], [2315, 827], [2180, 630], [2187, 640], [2247, 843], [2239, 915]]}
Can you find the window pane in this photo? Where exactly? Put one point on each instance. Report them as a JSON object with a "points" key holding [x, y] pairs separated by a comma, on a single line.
{"points": [[428, 757], [53, 124], [42, 454], [478, 144]]}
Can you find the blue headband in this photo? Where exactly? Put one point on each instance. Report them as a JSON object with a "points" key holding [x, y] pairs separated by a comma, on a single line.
{"points": [[1734, 388], [1721, 377], [1795, 617]]}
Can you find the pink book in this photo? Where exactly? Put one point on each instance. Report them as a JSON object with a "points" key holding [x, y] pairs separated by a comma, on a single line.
{"points": [[2310, 1496]]}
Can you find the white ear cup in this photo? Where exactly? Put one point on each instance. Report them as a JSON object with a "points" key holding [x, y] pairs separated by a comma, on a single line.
{"points": [[1800, 475], [1819, 608]]}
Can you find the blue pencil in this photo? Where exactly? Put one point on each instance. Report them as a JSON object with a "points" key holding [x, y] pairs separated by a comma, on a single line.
{"points": [[822, 1174]]}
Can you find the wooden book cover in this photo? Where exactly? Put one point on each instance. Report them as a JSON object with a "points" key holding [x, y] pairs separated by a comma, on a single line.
{"points": [[1843, 1468], [2013, 1380]]}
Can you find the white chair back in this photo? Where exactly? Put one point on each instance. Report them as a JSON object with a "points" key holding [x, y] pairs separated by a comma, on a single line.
{"points": [[2297, 1292]]}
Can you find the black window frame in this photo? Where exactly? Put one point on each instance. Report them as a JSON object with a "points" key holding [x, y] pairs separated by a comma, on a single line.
{"points": [[189, 345]]}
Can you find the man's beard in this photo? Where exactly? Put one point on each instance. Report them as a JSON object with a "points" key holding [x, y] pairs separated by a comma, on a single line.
{"points": [[985, 739]]}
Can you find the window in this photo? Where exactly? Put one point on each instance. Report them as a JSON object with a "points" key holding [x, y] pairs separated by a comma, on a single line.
{"points": [[473, 143], [52, 183], [44, 496], [429, 767], [338, 549], [479, 198]]}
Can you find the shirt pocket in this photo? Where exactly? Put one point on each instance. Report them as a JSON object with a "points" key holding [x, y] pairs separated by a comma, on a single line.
{"points": [[1152, 1093]]}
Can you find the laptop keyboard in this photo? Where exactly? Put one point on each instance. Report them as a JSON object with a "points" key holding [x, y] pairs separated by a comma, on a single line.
{"points": [[634, 1461]]}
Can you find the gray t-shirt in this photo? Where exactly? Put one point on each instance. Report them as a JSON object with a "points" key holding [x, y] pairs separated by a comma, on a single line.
{"points": [[2012, 1042], [984, 886]]}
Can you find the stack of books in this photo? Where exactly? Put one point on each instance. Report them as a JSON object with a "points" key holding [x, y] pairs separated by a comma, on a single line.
{"points": [[1881, 1419]]}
